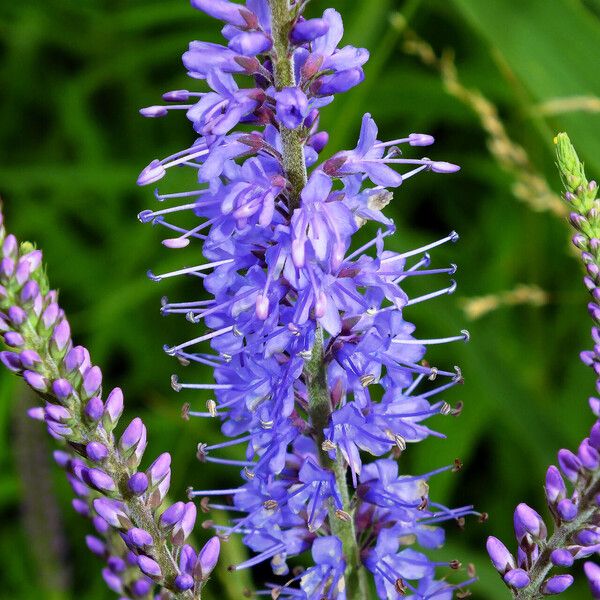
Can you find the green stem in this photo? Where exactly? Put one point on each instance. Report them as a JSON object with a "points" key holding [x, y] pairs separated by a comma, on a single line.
{"points": [[320, 408], [341, 523], [283, 66]]}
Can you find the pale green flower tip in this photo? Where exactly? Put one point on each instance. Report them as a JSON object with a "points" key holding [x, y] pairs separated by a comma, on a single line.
{"points": [[571, 168]]}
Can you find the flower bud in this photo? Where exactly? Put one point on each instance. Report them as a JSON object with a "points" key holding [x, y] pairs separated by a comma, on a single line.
{"points": [[95, 545], [209, 556], [96, 451], [569, 464], [501, 558], [517, 578], [113, 408], [308, 30], [94, 409], [557, 584], [138, 483], [92, 380], [562, 558], [528, 522], [592, 572], [566, 510], [139, 537], [149, 567], [555, 485]]}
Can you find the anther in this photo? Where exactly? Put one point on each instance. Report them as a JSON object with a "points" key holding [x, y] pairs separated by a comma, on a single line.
{"points": [[270, 504], [211, 406], [445, 409], [204, 502], [458, 465], [400, 587], [342, 515], [433, 374], [175, 383], [305, 354], [185, 411], [367, 380], [328, 445], [201, 452], [455, 565], [267, 424], [400, 442]]}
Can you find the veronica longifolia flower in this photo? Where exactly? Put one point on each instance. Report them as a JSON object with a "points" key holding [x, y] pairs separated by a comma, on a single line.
{"points": [[316, 369], [575, 507]]}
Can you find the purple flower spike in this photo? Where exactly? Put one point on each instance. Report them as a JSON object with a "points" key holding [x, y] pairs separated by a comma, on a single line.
{"points": [[138, 483], [517, 578], [557, 584], [592, 572], [149, 566], [209, 556], [501, 558]]}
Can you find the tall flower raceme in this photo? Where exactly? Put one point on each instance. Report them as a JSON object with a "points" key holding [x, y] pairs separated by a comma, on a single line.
{"points": [[142, 541], [317, 373], [573, 488]]}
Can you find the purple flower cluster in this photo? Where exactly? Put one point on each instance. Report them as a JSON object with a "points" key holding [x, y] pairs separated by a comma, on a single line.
{"points": [[316, 369], [573, 488], [139, 540]]}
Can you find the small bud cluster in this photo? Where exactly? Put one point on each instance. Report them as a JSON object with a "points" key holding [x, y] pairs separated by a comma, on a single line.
{"points": [[574, 506], [144, 548]]}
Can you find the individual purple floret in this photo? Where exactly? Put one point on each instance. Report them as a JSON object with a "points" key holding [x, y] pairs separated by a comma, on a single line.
{"points": [[573, 488], [122, 502], [318, 378]]}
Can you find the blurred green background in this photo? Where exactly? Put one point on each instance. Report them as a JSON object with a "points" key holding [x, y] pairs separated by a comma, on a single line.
{"points": [[73, 75]]}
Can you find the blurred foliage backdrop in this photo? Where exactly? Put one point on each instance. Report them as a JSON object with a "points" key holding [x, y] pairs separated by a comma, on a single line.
{"points": [[73, 75]]}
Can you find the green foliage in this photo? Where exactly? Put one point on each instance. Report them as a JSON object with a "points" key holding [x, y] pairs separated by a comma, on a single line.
{"points": [[73, 75]]}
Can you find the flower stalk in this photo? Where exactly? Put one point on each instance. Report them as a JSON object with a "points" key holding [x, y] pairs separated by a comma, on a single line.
{"points": [[575, 513]]}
